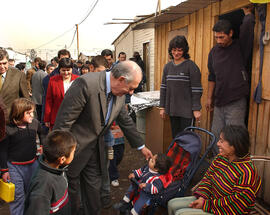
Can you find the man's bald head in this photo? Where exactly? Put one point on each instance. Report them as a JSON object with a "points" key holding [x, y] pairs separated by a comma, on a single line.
{"points": [[125, 78], [127, 69]]}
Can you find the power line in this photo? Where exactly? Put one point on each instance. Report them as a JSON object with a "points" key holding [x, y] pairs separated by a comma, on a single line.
{"points": [[93, 7], [90, 11], [55, 38], [73, 38]]}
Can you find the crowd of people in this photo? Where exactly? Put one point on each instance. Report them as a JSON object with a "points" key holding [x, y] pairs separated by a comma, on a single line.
{"points": [[77, 113]]}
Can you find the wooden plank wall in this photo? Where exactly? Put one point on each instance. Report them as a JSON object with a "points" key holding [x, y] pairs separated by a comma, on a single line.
{"points": [[200, 39]]}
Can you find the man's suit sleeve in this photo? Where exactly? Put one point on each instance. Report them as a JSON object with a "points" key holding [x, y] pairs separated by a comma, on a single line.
{"points": [[73, 104], [129, 129], [23, 86]]}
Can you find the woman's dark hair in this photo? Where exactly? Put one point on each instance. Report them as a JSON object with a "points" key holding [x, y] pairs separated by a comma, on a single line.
{"points": [[65, 63], [181, 43], [57, 144], [223, 25], [163, 163], [238, 137]]}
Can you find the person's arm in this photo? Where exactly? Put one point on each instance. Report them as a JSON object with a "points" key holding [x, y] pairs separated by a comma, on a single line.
{"points": [[205, 186], [163, 89], [72, 105], [196, 90], [4, 157], [129, 129], [23, 86], [48, 104], [246, 35], [153, 188], [211, 84], [210, 95]]}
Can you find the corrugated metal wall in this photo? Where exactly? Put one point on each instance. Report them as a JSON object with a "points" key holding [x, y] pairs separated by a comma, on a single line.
{"points": [[200, 38]]}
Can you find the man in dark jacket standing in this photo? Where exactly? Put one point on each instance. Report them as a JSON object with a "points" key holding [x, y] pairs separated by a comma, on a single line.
{"points": [[228, 84]]}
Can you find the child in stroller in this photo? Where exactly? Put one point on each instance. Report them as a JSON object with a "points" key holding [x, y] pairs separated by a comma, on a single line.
{"points": [[150, 180]]}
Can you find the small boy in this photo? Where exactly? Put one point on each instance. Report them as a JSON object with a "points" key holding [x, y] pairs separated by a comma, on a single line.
{"points": [[150, 182], [48, 192]]}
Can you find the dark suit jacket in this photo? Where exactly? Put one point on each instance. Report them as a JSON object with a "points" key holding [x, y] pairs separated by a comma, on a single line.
{"points": [[83, 112], [14, 87], [55, 96]]}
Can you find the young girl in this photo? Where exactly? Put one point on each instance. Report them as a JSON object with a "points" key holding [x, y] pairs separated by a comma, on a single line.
{"points": [[18, 150]]}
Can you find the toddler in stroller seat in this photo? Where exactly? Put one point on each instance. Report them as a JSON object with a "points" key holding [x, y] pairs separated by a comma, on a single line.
{"points": [[146, 182]]}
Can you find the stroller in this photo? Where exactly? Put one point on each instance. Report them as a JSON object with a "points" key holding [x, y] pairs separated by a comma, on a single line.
{"points": [[185, 153]]}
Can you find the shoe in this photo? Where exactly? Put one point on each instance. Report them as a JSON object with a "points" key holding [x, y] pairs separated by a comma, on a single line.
{"points": [[122, 206], [115, 183]]}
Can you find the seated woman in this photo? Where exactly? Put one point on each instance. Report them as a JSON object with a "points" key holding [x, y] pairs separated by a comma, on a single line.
{"points": [[230, 184], [57, 88]]}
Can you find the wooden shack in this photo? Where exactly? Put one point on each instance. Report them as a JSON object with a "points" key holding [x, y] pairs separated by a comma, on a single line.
{"points": [[142, 41], [195, 19]]}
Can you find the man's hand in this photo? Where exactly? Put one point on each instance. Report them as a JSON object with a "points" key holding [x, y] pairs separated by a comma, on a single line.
{"points": [[162, 113], [131, 175], [146, 152], [209, 105], [6, 177], [198, 204], [197, 114]]}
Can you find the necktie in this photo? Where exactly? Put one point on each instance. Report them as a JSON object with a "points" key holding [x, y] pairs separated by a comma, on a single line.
{"points": [[1, 82], [109, 97]]}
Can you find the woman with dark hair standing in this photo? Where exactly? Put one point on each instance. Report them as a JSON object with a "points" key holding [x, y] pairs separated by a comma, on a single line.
{"points": [[181, 89], [58, 86], [231, 182]]}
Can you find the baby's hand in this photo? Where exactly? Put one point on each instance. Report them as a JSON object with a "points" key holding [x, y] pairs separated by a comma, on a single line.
{"points": [[131, 175], [142, 185]]}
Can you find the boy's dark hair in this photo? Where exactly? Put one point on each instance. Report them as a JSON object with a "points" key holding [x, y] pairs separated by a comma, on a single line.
{"points": [[37, 60], [57, 144], [49, 65], [99, 60], [63, 52], [65, 63], [181, 43], [56, 59], [238, 137], [163, 163], [42, 64], [107, 52], [223, 25], [85, 67], [121, 53]]}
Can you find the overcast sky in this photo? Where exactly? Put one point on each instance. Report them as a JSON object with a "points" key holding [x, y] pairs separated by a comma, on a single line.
{"points": [[27, 24]]}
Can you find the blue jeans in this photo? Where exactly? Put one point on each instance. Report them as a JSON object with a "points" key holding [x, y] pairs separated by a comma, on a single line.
{"points": [[118, 151], [20, 175]]}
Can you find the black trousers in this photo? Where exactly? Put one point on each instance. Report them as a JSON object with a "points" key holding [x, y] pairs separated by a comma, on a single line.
{"points": [[84, 171], [178, 124]]}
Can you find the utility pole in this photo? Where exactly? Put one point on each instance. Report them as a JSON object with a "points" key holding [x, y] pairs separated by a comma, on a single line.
{"points": [[78, 50]]}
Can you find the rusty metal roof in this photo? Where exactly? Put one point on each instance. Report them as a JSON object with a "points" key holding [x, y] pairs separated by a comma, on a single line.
{"points": [[173, 13]]}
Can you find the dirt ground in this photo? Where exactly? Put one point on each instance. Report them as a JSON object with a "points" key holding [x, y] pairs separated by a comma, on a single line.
{"points": [[133, 159]]}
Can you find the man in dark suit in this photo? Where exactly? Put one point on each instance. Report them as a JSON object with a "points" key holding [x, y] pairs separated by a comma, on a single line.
{"points": [[86, 112], [12, 81]]}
